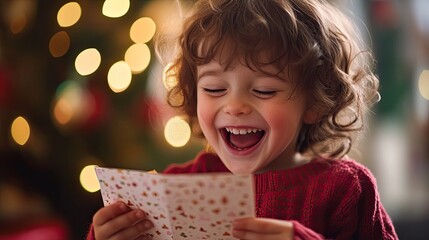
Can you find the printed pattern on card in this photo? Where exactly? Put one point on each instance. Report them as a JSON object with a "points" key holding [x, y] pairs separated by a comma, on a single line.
{"points": [[182, 206]]}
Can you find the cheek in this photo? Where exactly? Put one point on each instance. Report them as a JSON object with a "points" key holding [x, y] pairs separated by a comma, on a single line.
{"points": [[205, 116], [282, 121], [279, 122]]}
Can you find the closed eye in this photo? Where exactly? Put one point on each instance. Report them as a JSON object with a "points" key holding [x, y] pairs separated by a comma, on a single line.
{"points": [[214, 91], [265, 93]]}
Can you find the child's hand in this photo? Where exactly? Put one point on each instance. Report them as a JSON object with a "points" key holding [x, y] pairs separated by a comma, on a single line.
{"points": [[118, 221], [262, 229]]}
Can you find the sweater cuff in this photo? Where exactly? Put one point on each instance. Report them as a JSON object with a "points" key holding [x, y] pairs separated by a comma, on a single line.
{"points": [[301, 232], [90, 235]]}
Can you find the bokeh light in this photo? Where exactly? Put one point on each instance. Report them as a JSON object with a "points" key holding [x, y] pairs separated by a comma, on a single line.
{"points": [[88, 61], [115, 8], [59, 44], [18, 23], [70, 104], [119, 76], [69, 14], [20, 130], [177, 131], [88, 179], [19, 14], [63, 111], [424, 84], [138, 57], [142, 30]]}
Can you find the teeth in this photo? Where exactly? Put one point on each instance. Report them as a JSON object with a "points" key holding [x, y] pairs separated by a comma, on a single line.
{"points": [[241, 131]]}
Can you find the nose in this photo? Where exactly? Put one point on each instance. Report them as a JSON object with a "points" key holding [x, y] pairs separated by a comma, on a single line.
{"points": [[237, 105]]}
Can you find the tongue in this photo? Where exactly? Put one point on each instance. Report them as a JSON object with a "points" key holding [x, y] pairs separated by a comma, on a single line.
{"points": [[246, 140]]}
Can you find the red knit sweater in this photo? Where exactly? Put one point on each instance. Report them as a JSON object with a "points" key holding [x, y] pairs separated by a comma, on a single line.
{"points": [[325, 199]]}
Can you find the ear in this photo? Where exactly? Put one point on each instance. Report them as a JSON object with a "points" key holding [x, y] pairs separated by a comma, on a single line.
{"points": [[310, 115]]}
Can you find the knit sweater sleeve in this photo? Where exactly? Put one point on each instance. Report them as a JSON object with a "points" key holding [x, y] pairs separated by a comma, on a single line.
{"points": [[329, 199], [360, 214], [90, 235], [301, 232], [374, 222]]}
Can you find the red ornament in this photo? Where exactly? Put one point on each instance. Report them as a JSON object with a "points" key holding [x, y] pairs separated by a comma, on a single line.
{"points": [[146, 111], [384, 14], [98, 106]]}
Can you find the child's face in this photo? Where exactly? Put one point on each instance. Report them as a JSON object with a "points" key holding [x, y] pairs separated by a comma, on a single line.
{"points": [[249, 118]]}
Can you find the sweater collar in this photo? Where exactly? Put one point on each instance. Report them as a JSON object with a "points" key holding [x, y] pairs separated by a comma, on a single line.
{"points": [[284, 179]]}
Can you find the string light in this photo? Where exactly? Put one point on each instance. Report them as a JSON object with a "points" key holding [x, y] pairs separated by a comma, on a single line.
{"points": [[71, 104], [20, 130], [88, 61], [138, 57], [69, 14], [63, 111], [424, 84], [177, 131], [119, 76], [19, 14], [142, 30], [115, 8], [59, 44], [88, 179]]}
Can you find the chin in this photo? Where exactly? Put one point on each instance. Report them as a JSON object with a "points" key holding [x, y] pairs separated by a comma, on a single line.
{"points": [[242, 173], [240, 170]]}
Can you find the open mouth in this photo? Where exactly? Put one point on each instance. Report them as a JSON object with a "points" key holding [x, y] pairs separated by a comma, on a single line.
{"points": [[242, 138]]}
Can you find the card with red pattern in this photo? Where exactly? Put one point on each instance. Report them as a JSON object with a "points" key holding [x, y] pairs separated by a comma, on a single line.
{"points": [[182, 206]]}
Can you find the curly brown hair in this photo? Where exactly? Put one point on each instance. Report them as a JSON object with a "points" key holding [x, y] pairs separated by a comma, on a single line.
{"points": [[311, 39]]}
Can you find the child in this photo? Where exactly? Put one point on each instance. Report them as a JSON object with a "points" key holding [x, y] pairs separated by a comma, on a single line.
{"points": [[278, 89]]}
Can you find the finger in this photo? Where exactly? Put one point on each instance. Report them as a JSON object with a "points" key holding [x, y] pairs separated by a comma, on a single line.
{"points": [[144, 237], [123, 226], [106, 213], [135, 231], [249, 235], [243, 235], [262, 225], [246, 235]]}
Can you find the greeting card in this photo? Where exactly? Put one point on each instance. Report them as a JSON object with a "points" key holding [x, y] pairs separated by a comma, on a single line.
{"points": [[182, 206]]}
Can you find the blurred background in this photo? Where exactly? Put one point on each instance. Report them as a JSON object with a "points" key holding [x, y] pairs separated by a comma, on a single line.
{"points": [[80, 85]]}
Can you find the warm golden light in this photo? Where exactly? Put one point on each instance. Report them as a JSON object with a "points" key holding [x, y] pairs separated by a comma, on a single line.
{"points": [[59, 44], [169, 77], [17, 15], [138, 57], [63, 111], [115, 8], [142, 30], [119, 76], [87, 61], [18, 23], [177, 132], [424, 84], [70, 103], [20, 130], [88, 179], [69, 14]]}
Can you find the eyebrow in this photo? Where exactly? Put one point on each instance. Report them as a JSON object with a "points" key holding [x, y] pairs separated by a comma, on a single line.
{"points": [[209, 71]]}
